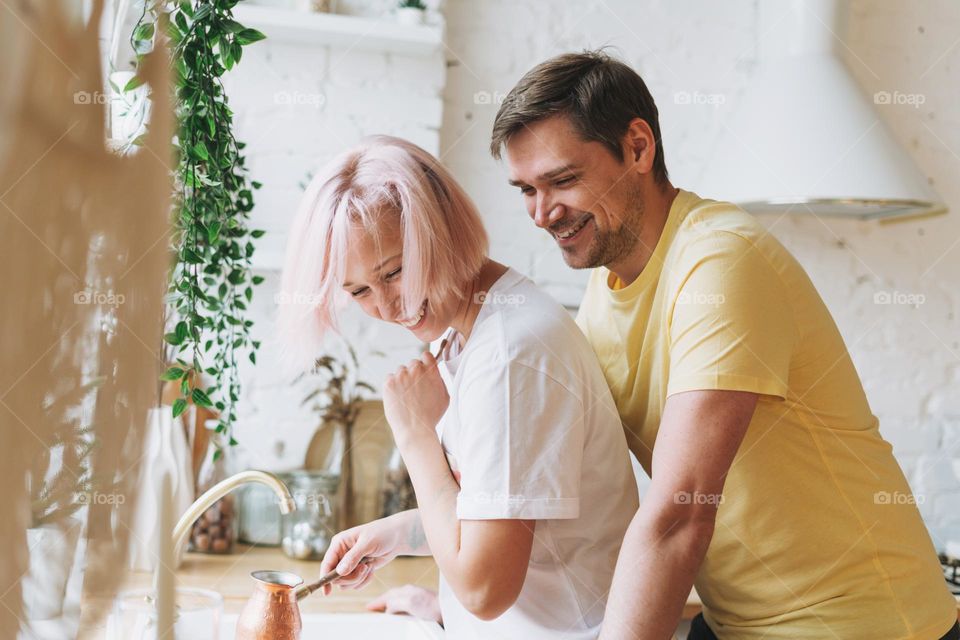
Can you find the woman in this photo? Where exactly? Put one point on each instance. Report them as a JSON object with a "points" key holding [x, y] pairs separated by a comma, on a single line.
{"points": [[512, 440]]}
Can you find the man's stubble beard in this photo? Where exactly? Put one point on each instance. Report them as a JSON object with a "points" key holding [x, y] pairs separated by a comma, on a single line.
{"points": [[613, 245]]}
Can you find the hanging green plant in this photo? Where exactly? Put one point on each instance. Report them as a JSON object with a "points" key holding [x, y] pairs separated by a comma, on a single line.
{"points": [[211, 283]]}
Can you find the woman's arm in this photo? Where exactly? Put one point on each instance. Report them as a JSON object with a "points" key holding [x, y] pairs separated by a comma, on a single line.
{"points": [[484, 561]]}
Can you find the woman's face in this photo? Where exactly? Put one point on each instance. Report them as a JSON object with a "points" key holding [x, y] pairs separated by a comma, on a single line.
{"points": [[373, 276]]}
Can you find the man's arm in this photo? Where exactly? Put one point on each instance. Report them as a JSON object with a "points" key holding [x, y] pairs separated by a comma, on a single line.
{"points": [[699, 435]]}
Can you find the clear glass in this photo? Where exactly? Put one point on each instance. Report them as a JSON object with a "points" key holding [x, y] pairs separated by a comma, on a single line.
{"points": [[197, 617], [308, 530]]}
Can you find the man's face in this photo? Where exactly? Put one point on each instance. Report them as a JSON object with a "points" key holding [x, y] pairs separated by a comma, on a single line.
{"points": [[587, 199]]}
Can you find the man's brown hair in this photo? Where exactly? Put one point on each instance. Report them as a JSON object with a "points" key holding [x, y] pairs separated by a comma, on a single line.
{"points": [[599, 94]]}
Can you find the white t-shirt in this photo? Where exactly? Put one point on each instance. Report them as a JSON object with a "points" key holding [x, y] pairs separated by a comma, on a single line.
{"points": [[532, 433]]}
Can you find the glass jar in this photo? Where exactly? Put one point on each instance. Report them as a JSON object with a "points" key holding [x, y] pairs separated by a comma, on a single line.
{"points": [[215, 531], [259, 520], [308, 530]]}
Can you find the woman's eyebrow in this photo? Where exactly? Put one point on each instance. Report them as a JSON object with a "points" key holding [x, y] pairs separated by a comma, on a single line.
{"points": [[347, 285]]}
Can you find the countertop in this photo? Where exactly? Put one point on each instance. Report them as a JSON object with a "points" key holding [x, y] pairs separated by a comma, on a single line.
{"points": [[230, 576]]}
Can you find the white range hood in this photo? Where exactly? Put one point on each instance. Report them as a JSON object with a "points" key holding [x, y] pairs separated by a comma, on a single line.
{"points": [[805, 138]]}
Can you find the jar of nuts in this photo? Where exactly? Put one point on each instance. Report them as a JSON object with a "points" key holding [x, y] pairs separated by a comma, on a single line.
{"points": [[215, 531], [308, 530]]}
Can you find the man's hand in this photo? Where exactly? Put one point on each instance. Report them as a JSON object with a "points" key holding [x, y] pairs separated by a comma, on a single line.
{"points": [[409, 599], [414, 399], [700, 433]]}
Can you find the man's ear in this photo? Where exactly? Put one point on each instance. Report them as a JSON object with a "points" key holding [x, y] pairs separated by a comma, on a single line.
{"points": [[639, 145]]}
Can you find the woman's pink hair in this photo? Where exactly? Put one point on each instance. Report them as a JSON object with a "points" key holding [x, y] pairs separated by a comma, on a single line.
{"points": [[444, 242]]}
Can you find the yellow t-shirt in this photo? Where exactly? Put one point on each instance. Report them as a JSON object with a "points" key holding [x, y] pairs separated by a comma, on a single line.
{"points": [[818, 535]]}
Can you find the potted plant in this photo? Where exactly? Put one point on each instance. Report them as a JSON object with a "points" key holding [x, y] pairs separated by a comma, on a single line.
{"points": [[211, 281], [207, 326], [338, 398], [411, 12]]}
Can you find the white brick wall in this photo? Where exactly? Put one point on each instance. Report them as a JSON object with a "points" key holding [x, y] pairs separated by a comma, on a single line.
{"points": [[296, 106], [909, 358]]}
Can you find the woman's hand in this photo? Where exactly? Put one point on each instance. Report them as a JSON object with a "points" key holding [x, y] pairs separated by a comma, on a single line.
{"points": [[409, 599], [381, 541], [414, 399]]}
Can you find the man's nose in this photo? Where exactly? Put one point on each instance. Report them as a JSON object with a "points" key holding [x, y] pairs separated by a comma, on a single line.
{"points": [[546, 213]]}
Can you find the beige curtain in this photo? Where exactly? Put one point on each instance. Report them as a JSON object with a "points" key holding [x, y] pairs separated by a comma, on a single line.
{"points": [[84, 250]]}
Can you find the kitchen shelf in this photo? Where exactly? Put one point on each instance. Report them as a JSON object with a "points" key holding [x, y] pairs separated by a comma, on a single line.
{"points": [[326, 29]]}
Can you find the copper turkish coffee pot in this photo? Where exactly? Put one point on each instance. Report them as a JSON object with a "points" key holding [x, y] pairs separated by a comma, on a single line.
{"points": [[273, 612]]}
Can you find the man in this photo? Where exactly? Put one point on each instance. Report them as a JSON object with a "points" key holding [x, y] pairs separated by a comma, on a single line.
{"points": [[771, 488]]}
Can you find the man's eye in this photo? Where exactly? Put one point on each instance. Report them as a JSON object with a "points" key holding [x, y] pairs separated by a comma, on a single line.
{"points": [[527, 191], [563, 181]]}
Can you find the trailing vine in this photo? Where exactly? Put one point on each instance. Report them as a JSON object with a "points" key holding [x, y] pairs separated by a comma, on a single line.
{"points": [[211, 282]]}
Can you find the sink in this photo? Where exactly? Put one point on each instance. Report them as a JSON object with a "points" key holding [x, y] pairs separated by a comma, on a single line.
{"points": [[316, 626], [356, 626]]}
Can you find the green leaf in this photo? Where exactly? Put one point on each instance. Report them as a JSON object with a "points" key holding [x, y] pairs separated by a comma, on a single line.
{"points": [[231, 26], [191, 257], [181, 330], [249, 36], [256, 233], [213, 231], [133, 83], [203, 12], [253, 357], [143, 32], [172, 338], [257, 279], [179, 406], [173, 373], [200, 398], [201, 150]]}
